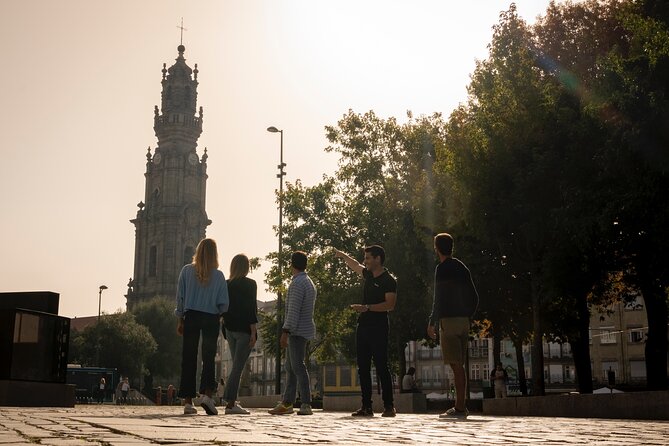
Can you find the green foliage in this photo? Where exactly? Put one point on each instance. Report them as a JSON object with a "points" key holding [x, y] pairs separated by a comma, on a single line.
{"points": [[382, 193], [552, 177], [158, 316], [117, 340]]}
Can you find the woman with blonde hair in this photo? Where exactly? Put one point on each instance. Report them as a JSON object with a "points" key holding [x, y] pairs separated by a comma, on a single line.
{"points": [[202, 296], [239, 325]]}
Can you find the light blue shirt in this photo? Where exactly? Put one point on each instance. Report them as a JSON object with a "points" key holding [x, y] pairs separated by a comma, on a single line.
{"points": [[192, 295]]}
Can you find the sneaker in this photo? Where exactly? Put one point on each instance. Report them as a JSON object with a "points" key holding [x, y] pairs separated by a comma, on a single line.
{"points": [[389, 412], [236, 410], [305, 409], [208, 405], [455, 414], [363, 412], [189, 409], [281, 409]]}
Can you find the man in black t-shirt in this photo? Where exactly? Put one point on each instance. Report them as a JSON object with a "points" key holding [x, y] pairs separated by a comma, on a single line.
{"points": [[379, 296]]}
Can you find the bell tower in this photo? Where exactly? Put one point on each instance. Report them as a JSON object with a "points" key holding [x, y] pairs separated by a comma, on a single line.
{"points": [[172, 218]]}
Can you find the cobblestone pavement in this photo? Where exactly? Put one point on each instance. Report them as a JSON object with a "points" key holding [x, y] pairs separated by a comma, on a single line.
{"points": [[142, 425]]}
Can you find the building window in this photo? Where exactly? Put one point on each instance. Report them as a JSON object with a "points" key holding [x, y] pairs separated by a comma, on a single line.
{"points": [[345, 376], [569, 374], [425, 374], [330, 375], [436, 374], [609, 365], [634, 305], [638, 369], [635, 335], [475, 372], [566, 350], [485, 371], [152, 261], [607, 335]]}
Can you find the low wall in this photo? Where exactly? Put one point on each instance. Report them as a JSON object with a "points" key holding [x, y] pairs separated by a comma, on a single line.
{"points": [[632, 405], [259, 401], [36, 394], [404, 403]]}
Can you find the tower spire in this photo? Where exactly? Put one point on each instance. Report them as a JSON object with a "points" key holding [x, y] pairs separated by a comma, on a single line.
{"points": [[181, 27]]}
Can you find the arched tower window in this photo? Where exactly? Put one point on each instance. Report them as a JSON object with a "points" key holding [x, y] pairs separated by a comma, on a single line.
{"points": [[153, 254]]}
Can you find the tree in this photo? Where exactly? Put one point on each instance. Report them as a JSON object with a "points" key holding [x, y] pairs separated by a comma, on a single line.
{"points": [[382, 193], [116, 341], [157, 315]]}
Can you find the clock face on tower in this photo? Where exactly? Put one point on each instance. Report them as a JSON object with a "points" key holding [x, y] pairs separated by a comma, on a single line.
{"points": [[192, 158], [156, 158]]}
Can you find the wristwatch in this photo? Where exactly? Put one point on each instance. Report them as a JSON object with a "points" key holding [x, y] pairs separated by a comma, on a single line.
{"points": [[368, 309]]}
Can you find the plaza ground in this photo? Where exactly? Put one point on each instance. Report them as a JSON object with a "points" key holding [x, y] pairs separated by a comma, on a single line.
{"points": [[145, 425]]}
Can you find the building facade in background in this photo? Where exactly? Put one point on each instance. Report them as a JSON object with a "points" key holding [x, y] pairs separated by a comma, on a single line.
{"points": [[171, 219]]}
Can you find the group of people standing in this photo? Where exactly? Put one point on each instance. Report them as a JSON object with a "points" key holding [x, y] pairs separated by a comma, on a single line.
{"points": [[203, 295]]}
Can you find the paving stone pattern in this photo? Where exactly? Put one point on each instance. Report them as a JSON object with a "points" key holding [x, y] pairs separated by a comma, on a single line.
{"points": [[142, 425]]}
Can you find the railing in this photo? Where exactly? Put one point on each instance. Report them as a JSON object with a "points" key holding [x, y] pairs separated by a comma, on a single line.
{"points": [[185, 120]]}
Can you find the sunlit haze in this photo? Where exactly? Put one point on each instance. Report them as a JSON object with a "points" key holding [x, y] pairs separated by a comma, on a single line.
{"points": [[80, 80]]}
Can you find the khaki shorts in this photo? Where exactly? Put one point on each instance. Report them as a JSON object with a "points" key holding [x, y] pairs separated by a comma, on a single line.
{"points": [[453, 335]]}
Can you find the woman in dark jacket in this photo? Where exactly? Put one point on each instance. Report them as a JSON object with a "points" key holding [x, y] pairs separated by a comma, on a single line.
{"points": [[239, 325]]}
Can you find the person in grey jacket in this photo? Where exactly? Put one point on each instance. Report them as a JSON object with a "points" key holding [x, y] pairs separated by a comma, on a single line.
{"points": [[298, 328]]}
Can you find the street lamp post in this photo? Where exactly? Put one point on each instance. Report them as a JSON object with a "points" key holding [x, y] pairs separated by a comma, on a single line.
{"points": [[280, 175], [102, 287]]}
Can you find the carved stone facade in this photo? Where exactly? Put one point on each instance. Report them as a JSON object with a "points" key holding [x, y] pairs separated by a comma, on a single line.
{"points": [[172, 218]]}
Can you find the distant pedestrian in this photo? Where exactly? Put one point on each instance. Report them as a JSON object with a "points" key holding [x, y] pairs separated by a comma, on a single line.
{"points": [[455, 302], [101, 390], [202, 296], [239, 327], [371, 339], [170, 395], [298, 329], [409, 381], [499, 378], [125, 389]]}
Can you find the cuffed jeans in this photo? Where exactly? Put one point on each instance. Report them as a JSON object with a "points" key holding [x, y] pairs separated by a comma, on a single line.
{"points": [[194, 323], [239, 352], [372, 342], [296, 371]]}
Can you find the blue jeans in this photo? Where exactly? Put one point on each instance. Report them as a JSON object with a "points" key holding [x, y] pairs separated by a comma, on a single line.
{"points": [[194, 323], [239, 351], [296, 371]]}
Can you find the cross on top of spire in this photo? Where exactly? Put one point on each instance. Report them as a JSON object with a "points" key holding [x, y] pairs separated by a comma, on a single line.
{"points": [[181, 27]]}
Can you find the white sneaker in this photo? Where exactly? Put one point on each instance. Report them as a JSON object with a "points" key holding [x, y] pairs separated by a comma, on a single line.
{"points": [[236, 410], [208, 405], [189, 409], [305, 409]]}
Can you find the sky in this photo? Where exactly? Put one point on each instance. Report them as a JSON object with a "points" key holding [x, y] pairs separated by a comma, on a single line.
{"points": [[81, 79]]}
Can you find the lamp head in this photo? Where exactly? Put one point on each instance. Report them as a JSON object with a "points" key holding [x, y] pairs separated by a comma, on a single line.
{"points": [[273, 129], [103, 287]]}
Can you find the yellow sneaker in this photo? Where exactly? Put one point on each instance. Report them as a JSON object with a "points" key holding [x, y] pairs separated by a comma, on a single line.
{"points": [[281, 409]]}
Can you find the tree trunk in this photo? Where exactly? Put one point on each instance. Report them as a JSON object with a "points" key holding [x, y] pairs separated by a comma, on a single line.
{"points": [[656, 344], [538, 384], [520, 364], [496, 347], [402, 363], [580, 347]]}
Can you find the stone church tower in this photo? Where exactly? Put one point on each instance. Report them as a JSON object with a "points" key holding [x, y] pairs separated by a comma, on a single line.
{"points": [[172, 218]]}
